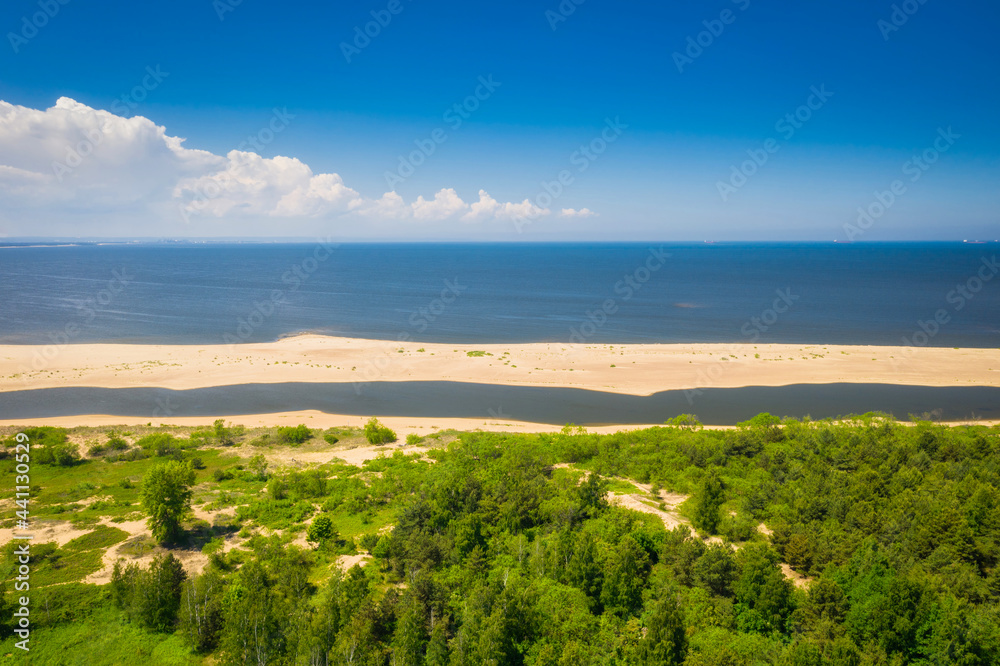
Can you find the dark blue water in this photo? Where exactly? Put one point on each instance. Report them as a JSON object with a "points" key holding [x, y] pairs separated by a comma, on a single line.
{"points": [[875, 293], [535, 404]]}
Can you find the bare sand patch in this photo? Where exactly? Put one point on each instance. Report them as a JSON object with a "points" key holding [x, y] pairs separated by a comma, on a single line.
{"points": [[346, 562], [798, 580]]}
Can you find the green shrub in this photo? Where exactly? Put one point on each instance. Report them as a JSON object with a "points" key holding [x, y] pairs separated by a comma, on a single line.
{"points": [[376, 433], [115, 441], [368, 541], [49, 446], [293, 434], [161, 444], [222, 474], [321, 531]]}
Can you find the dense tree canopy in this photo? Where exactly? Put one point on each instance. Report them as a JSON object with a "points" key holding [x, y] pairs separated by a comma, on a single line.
{"points": [[859, 543]]}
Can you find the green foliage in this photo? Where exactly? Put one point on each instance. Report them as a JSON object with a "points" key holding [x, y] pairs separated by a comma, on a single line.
{"points": [[293, 435], [49, 446], [592, 495], [166, 497], [503, 551], [252, 629], [150, 597], [115, 443], [258, 467], [52, 565], [625, 577], [201, 610], [102, 537], [275, 514], [376, 433], [161, 444], [707, 504], [223, 435], [686, 421], [665, 642], [321, 531]]}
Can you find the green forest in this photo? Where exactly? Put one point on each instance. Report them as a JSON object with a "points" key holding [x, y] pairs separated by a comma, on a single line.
{"points": [[860, 542]]}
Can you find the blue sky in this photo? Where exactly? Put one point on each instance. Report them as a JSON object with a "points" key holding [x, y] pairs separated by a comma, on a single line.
{"points": [[684, 129]]}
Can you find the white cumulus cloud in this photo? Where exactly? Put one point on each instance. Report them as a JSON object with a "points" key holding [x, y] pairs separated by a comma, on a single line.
{"points": [[583, 212], [71, 159]]}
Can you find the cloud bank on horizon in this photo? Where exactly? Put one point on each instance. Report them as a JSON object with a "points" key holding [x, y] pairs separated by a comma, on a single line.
{"points": [[70, 163]]}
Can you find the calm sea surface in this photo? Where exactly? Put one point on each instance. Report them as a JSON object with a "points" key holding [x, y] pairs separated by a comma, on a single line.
{"points": [[877, 293]]}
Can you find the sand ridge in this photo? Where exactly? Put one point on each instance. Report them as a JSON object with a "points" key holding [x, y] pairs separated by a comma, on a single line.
{"points": [[640, 369]]}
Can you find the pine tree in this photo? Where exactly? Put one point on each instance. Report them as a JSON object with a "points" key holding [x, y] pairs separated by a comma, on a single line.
{"points": [[437, 647], [709, 501], [410, 637], [665, 642]]}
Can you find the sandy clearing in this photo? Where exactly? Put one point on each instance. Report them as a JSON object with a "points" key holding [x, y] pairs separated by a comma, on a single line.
{"points": [[636, 503], [59, 532], [798, 580], [346, 562], [295, 458], [62, 532]]}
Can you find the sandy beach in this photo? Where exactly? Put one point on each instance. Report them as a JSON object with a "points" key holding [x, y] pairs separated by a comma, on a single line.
{"points": [[638, 370]]}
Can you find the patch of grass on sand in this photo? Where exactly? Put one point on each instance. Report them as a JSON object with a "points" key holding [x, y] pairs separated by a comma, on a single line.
{"points": [[102, 537], [51, 565]]}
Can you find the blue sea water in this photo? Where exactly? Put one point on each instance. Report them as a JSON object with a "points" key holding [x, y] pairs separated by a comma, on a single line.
{"points": [[866, 293]]}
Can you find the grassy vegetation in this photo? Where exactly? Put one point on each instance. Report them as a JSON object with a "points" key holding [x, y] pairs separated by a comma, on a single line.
{"points": [[498, 548]]}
